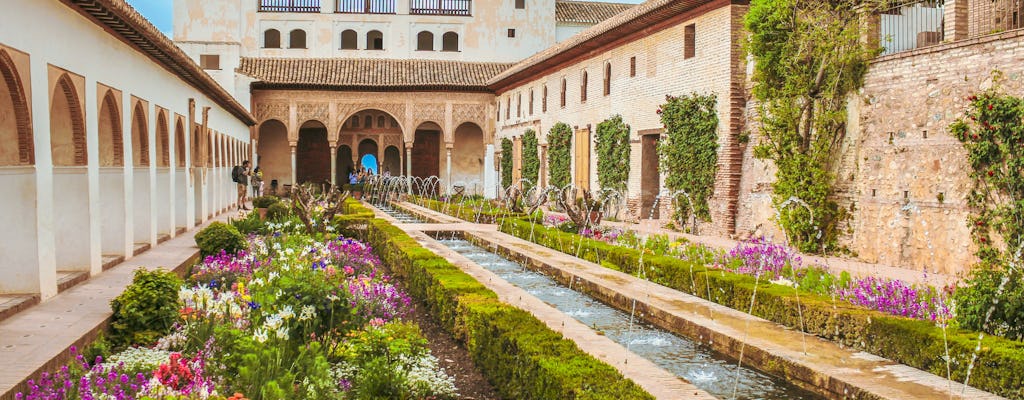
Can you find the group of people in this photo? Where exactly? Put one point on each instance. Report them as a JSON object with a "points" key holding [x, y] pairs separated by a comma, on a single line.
{"points": [[244, 179], [363, 174]]}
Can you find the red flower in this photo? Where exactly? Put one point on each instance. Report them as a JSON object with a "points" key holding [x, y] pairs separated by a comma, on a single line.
{"points": [[989, 106], [990, 173]]}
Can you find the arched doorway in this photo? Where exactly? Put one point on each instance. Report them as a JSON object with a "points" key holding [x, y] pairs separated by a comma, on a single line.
{"points": [[274, 155], [426, 151], [392, 161], [344, 164], [180, 175], [164, 201], [468, 156], [70, 179], [19, 246], [113, 229], [368, 156], [142, 217], [313, 154]]}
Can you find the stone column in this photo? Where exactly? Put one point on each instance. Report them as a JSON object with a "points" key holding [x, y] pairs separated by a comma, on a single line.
{"points": [[490, 181], [448, 163], [334, 164], [292, 146], [408, 166]]}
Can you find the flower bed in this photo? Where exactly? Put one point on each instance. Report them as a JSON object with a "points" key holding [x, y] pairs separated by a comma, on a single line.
{"points": [[999, 367], [521, 356]]}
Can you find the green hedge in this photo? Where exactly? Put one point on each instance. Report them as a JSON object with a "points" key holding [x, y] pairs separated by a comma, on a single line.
{"points": [[998, 369], [469, 211], [521, 356]]}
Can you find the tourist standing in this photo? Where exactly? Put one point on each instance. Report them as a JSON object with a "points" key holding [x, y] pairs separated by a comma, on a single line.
{"points": [[240, 174], [257, 182]]}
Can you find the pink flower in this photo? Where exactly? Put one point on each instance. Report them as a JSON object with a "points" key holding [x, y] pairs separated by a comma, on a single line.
{"points": [[376, 322], [349, 270]]}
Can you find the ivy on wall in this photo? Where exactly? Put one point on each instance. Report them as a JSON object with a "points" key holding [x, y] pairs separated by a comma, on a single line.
{"points": [[613, 153], [689, 153], [531, 158], [559, 154], [808, 58], [993, 135], [506, 163]]}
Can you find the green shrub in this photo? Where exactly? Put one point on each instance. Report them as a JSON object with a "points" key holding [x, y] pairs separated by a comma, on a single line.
{"points": [[531, 159], [146, 309], [264, 201], [251, 224], [613, 153], [219, 236], [559, 154], [978, 296], [506, 163], [279, 211]]}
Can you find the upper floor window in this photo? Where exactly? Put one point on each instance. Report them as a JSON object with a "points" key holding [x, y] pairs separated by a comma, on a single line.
{"points": [[304, 6], [519, 105], [607, 78], [508, 107], [450, 41], [632, 66], [531, 102], [297, 39], [544, 100], [353, 122], [349, 39], [272, 39], [209, 61], [497, 107], [520, 4], [365, 6], [583, 87], [511, 33], [375, 40], [425, 41], [380, 121], [368, 122], [440, 7], [690, 41], [563, 93]]}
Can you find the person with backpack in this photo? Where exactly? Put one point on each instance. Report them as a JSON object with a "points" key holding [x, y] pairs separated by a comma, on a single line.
{"points": [[240, 174]]}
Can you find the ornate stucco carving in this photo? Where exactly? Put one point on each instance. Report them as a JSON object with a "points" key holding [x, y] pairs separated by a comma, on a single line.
{"points": [[475, 113], [267, 111]]}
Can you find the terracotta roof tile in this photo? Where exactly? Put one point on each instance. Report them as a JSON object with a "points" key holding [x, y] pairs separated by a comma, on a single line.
{"points": [[122, 20], [587, 12], [369, 73]]}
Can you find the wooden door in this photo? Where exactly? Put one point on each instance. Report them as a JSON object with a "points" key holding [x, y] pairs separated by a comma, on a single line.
{"points": [[582, 145], [650, 177], [426, 154]]}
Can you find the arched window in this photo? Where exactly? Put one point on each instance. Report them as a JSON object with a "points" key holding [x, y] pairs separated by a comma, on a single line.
{"points": [[374, 40], [519, 105], [349, 39], [520, 4], [450, 41], [380, 121], [394, 123], [425, 41], [607, 78], [297, 39], [583, 87], [563, 93], [544, 100], [368, 122], [272, 39], [353, 122], [508, 107]]}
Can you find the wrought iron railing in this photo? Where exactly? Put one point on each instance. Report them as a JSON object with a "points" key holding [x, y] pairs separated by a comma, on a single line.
{"points": [[297, 6], [365, 6], [913, 24], [441, 7], [994, 16]]}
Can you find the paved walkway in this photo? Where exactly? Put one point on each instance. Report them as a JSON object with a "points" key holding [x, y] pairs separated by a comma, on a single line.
{"points": [[842, 370], [37, 339]]}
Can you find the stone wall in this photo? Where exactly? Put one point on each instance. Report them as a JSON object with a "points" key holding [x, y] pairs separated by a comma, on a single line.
{"points": [[901, 173]]}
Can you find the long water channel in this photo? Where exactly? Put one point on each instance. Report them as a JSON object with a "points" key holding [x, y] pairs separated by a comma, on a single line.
{"points": [[708, 370]]}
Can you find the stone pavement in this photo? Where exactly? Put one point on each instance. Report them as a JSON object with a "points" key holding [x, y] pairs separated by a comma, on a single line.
{"points": [[37, 339], [844, 372]]}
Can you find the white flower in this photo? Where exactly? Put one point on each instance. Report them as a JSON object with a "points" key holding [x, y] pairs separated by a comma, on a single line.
{"points": [[273, 322], [784, 282], [260, 335], [256, 282], [332, 297], [282, 332], [308, 312], [286, 313], [272, 276]]}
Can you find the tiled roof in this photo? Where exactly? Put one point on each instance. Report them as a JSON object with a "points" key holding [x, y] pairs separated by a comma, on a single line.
{"points": [[587, 12], [369, 74], [119, 18], [642, 17]]}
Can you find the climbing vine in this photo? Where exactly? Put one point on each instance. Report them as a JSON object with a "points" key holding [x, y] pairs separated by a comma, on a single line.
{"points": [[689, 154], [808, 58], [506, 163], [531, 160], [613, 153], [992, 132], [559, 148]]}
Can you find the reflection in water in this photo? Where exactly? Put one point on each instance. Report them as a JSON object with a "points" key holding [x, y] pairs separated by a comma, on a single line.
{"points": [[706, 369]]}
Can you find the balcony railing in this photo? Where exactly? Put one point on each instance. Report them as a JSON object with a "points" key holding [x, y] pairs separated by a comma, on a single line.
{"points": [[441, 7], [296, 6], [365, 6], [910, 25]]}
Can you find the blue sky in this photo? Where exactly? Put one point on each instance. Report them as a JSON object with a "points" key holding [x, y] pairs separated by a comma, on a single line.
{"points": [[160, 12]]}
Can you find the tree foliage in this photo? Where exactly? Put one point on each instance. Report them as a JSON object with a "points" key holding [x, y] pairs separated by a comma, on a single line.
{"points": [[613, 153], [808, 58], [531, 158], [689, 155], [559, 154], [506, 163]]}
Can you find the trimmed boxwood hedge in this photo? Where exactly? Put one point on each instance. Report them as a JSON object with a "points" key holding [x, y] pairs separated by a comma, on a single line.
{"points": [[999, 368], [521, 356]]}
